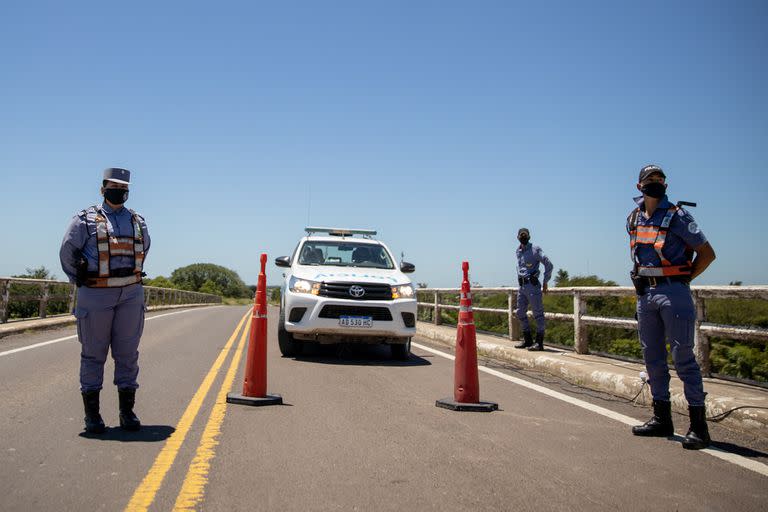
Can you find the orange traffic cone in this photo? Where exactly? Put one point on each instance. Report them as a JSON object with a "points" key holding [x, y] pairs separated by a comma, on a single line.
{"points": [[466, 392], [255, 384]]}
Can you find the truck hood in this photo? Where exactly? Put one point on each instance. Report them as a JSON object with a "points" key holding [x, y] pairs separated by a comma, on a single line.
{"points": [[350, 274]]}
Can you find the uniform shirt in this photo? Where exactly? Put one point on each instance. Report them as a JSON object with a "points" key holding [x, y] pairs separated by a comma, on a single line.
{"points": [[683, 233], [528, 260], [82, 235]]}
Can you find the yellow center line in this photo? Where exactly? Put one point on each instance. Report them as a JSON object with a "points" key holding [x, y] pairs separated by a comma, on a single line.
{"points": [[193, 489], [146, 491]]}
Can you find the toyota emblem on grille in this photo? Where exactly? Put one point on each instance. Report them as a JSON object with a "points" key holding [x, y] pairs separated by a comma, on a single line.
{"points": [[356, 291]]}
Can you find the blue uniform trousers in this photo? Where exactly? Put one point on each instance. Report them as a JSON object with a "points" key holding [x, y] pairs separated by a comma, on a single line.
{"points": [[109, 318], [666, 314], [530, 293]]}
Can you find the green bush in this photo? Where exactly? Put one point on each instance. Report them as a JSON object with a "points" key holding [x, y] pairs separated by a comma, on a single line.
{"points": [[193, 277]]}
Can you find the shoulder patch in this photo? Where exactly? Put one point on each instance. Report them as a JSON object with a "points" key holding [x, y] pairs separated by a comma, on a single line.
{"points": [[693, 228], [86, 211]]}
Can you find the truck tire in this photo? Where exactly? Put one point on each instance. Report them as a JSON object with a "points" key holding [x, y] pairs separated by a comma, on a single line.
{"points": [[401, 351], [289, 347]]}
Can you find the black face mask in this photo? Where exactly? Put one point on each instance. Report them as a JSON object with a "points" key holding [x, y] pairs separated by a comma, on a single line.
{"points": [[116, 195], [655, 190], [523, 239]]}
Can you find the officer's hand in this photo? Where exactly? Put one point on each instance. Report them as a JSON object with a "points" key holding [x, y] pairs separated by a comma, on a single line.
{"points": [[545, 288]]}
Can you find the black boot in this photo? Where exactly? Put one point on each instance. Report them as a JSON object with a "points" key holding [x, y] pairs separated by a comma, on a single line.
{"points": [[527, 340], [661, 423], [539, 346], [698, 434], [93, 422], [128, 419]]}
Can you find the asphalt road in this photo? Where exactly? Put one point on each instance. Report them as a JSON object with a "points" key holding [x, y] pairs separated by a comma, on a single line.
{"points": [[357, 431]]}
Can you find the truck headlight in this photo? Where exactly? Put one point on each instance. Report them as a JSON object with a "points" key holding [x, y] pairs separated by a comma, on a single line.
{"points": [[304, 286], [402, 292]]}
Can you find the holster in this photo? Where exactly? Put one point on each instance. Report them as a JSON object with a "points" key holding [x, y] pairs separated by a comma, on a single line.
{"points": [[81, 265], [638, 282]]}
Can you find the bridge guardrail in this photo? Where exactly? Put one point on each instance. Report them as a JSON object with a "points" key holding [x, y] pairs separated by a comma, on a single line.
{"points": [[703, 329], [153, 296]]}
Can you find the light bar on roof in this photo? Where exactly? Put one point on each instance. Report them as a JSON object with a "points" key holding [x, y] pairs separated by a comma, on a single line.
{"points": [[340, 231]]}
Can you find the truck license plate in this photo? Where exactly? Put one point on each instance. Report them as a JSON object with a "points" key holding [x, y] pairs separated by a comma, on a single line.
{"points": [[356, 321]]}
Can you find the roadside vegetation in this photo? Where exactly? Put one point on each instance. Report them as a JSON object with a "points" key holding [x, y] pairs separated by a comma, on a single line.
{"points": [[743, 359], [198, 277]]}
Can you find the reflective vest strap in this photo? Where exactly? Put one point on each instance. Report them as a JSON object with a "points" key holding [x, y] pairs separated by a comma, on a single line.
{"points": [[102, 243], [667, 271], [632, 220], [646, 234], [138, 234], [138, 244], [112, 282], [661, 235]]}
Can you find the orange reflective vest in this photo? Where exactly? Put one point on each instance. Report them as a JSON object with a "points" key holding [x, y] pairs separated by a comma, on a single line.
{"points": [[109, 245], [655, 236]]}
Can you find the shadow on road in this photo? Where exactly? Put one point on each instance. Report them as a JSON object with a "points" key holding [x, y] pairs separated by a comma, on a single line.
{"points": [[739, 450], [147, 434], [353, 354]]}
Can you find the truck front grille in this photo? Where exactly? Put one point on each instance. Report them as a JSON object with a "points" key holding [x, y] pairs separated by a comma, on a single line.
{"points": [[371, 291]]}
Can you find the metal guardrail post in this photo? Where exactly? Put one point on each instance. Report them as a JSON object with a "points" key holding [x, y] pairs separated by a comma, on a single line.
{"points": [[512, 321], [701, 340], [44, 300], [5, 288], [436, 315], [580, 339]]}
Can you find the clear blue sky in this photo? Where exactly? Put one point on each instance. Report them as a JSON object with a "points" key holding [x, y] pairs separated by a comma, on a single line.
{"points": [[445, 125]]}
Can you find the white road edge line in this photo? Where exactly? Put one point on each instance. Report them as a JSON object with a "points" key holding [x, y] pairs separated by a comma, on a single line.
{"points": [[44, 343], [733, 458]]}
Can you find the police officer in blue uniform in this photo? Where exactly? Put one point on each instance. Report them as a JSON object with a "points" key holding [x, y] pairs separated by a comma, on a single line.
{"points": [[103, 253], [529, 257], [663, 241]]}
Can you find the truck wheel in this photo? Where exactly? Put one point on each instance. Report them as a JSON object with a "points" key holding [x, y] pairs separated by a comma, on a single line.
{"points": [[401, 351], [289, 347]]}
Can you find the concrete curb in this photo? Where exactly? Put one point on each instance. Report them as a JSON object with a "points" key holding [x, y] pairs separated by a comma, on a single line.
{"points": [[619, 378], [38, 324]]}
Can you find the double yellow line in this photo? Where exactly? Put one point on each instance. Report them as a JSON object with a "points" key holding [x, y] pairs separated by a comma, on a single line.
{"points": [[197, 476]]}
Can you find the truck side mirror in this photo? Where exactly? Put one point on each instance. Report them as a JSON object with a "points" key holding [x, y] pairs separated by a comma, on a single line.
{"points": [[283, 261]]}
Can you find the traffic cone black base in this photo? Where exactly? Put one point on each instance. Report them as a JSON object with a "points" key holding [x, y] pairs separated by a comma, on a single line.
{"points": [[255, 401], [450, 403]]}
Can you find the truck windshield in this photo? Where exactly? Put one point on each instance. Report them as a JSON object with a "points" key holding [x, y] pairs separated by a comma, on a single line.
{"points": [[345, 254]]}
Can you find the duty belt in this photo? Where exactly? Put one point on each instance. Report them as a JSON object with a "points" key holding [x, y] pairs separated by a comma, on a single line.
{"points": [[525, 280], [653, 282]]}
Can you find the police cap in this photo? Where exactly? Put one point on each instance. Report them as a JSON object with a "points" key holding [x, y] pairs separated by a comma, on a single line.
{"points": [[650, 169], [118, 175]]}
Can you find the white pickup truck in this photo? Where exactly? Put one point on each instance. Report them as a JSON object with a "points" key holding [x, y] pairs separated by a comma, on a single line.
{"points": [[342, 286]]}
